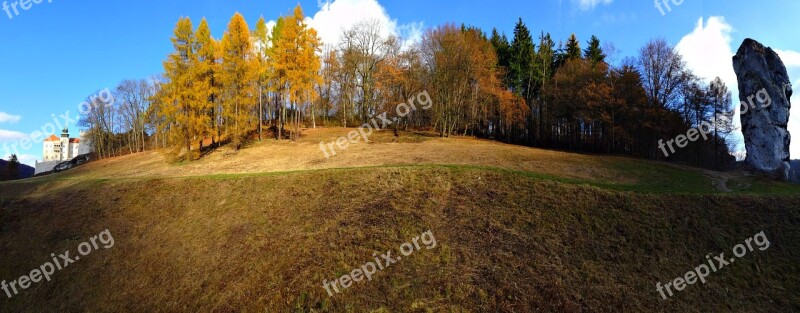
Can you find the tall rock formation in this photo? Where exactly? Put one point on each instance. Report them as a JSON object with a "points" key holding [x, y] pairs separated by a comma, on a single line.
{"points": [[764, 92]]}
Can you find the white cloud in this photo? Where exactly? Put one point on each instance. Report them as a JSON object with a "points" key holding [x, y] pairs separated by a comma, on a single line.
{"points": [[8, 118], [707, 50], [10, 135], [336, 16], [588, 5], [789, 58]]}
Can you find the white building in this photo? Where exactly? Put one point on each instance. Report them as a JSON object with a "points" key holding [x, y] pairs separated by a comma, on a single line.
{"points": [[56, 150]]}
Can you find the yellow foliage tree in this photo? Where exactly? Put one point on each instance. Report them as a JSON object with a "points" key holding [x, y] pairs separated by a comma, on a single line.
{"points": [[239, 78], [206, 69], [296, 62], [182, 98]]}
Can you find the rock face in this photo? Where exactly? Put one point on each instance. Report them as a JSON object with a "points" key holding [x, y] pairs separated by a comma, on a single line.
{"points": [[764, 92], [794, 174]]}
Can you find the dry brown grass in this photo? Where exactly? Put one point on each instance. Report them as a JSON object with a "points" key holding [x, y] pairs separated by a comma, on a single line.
{"points": [[506, 243], [384, 149], [199, 237]]}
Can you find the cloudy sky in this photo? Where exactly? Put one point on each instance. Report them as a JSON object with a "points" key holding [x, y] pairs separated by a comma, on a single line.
{"points": [[56, 54]]}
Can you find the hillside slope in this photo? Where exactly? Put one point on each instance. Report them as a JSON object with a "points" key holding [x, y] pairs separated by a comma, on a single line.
{"points": [[516, 230], [424, 149]]}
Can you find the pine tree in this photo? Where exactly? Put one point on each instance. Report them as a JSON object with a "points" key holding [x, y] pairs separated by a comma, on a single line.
{"points": [[523, 67], [573, 48], [521, 62], [12, 169], [503, 50], [594, 52], [239, 80]]}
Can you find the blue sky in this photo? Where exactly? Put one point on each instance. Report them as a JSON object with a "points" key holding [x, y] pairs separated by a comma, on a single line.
{"points": [[57, 53]]}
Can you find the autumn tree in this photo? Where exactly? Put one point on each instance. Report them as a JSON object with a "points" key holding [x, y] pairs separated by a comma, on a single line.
{"points": [[239, 81], [207, 68], [461, 65], [296, 61], [261, 46], [631, 119], [448, 63], [180, 98], [277, 75]]}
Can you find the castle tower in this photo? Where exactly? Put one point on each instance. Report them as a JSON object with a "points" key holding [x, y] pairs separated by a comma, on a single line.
{"points": [[65, 146]]}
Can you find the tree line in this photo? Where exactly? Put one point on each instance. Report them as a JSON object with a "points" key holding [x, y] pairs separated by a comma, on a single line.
{"points": [[254, 84]]}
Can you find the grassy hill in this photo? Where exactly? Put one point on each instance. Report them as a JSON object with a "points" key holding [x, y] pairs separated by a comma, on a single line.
{"points": [[517, 230]]}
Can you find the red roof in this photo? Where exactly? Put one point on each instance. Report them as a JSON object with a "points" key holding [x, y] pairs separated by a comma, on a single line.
{"points": [[55, 138]]}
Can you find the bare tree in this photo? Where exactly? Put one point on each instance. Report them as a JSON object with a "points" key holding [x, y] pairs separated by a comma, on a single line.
{"points": [[133, 101], [663, 73], [364, 47]]}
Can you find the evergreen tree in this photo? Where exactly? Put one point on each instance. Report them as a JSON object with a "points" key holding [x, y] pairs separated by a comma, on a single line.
{"points": [[573, 48], [523, 68], [503, 51], [594, 52], [521, 61], [11, 170]]}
